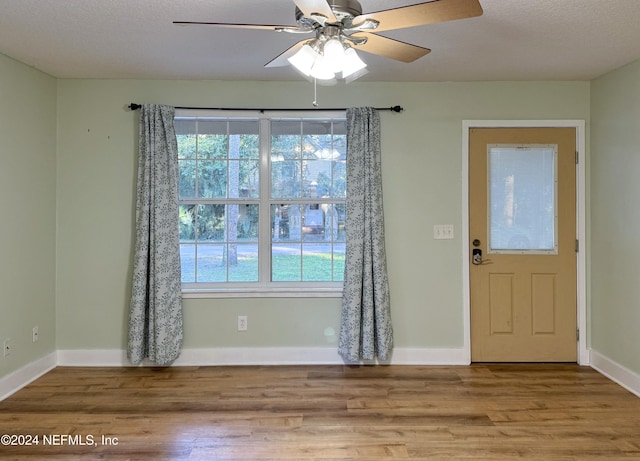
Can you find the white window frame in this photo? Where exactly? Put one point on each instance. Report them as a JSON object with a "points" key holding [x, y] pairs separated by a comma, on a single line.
{"points": [[265, 287]]}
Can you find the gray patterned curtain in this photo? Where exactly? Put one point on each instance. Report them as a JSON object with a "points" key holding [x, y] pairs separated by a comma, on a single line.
{"points": [[365, 331], [155, 317]]}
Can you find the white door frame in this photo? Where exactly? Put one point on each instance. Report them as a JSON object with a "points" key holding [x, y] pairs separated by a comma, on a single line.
{"points": [[579, 125]]}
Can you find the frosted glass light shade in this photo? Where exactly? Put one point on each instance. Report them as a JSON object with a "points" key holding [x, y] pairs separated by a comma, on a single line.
{"points": [[323, 69], [304, 59], [333, 52], [351, 63]]}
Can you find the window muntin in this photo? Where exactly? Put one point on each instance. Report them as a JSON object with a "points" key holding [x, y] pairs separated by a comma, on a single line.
{"points": [[261, 202]]}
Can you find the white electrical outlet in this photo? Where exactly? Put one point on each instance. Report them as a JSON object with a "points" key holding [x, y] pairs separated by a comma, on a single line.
{"points": [[242, 323], [6, 347], [35, 334]]}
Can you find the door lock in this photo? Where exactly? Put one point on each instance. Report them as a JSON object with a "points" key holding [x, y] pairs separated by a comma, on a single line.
{"points": [[476, 256]]}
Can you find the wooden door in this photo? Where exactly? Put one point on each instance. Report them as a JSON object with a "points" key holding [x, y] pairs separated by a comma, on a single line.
{"points": [[522, 227]]}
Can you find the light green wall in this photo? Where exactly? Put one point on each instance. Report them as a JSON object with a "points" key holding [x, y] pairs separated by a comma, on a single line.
{"points": [[422, 185], [91, 186], [27, 209], [615, 216]]}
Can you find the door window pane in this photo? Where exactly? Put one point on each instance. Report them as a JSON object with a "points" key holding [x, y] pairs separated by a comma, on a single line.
{"points": [[522, 198]]}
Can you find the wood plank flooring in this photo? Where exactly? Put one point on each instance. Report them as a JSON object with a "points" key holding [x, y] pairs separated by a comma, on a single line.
{"points": [[480, 412]]}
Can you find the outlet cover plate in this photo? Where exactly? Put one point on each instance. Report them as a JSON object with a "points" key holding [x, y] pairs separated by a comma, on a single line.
{"points": [[242, 323]]}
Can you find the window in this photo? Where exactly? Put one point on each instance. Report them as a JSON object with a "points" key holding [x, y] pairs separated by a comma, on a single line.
{"points": [[522, 198], [262, 203]]}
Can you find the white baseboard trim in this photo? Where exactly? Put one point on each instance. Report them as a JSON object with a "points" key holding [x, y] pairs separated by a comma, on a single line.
{"points": [[616, 372], [219, 357], [15, 381], [259, 356], [272, 356], [419, 356]]}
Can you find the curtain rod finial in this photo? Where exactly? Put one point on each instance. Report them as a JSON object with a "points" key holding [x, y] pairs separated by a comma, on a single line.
{"points": [[134, 106], [396, 108]]}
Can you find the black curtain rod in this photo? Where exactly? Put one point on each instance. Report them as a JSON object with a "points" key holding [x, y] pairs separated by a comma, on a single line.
{"points": [[135, 106]]}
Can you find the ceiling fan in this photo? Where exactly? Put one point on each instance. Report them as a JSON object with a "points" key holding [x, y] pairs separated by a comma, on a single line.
{"points": [[340, 28]]}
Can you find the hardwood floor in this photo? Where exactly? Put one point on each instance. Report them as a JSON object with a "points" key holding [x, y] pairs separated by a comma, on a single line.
{"points": [[481, 412]]}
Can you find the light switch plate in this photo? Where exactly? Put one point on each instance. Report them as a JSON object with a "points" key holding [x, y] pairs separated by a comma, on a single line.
{"points": [[443, 231]]}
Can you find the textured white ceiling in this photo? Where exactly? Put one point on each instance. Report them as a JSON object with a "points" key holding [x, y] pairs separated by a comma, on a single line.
{"points": [[512, 40]]}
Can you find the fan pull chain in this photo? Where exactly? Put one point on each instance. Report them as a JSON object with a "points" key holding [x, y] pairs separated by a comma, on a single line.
{"points": [[315, 92]]}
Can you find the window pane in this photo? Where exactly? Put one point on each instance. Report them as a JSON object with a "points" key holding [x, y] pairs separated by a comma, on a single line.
{"points": [[285, 147], [212, 138], [522, 205], [186, 145], [286, 126], [210, 263], [339, 181], [335, 215], [313, 228], [338, 262], [340, 128], [187, 179], [243, 262], [248, 138], [247, 222], [286, 263], [286, 223], [212, 179], [244, 126], [184, 126], [212, 146], [228, 263], [188, 263], [211, 223], [285, 179], [317, 262], [212, 126], [316, 175], [244, 179], [317, 146], [187, 223]]}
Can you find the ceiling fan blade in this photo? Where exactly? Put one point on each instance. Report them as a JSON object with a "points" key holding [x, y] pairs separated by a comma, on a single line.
{"points": [[282, 59], [277, 28], [390, 48], [422, 13], [311, 7]]}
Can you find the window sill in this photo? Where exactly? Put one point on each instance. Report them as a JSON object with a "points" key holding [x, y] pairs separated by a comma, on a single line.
{"points": [[194, 293]]}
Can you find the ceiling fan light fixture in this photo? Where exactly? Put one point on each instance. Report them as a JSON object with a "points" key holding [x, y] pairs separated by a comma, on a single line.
{"points": [[328, 59]]}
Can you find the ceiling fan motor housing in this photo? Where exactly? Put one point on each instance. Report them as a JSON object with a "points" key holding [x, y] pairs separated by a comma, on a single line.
{"points": [[342, 9]]}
